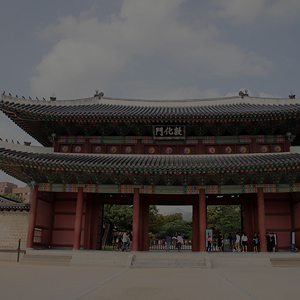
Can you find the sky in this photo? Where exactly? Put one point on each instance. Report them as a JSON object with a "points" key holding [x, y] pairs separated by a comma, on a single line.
{"points": [[147, 49]]}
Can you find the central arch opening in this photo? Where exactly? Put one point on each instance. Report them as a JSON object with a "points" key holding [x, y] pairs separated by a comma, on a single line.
{"points": [[166, 224]]}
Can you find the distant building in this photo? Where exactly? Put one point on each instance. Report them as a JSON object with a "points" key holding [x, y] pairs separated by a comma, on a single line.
{"points": [[7, 187], [24, 192], [11, 188]]}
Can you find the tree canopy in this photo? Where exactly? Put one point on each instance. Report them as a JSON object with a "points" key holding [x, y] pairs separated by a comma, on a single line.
{"points": [[224, 219], [220, 218], [15, 197], [118, 216]]}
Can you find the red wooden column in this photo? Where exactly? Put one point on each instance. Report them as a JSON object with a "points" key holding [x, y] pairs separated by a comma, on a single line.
{"points": [[95, 214], [202, 230], [78, 219], [261, 219], [195, 241], [145, 220], [136, 220], [32, 216]]}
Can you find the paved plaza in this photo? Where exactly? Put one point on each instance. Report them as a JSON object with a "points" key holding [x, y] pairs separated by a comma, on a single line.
{"points": [[216, 281]]}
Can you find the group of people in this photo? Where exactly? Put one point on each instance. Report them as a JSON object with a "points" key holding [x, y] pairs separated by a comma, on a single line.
{"points": [[124, 241], [179, 242], [239, 243]]}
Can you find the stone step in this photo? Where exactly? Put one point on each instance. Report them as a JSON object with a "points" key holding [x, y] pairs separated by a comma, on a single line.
{"points": [[154, 264], [35, 259], [101, 259], [285, 262], [167, 261], [183, 259]]}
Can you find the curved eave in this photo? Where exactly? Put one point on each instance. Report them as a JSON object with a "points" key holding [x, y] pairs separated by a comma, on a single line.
{"points": [[41, 118], [25, 166], [94, 109]]}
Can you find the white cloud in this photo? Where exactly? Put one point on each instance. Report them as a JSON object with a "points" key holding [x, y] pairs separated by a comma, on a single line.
{"points": [[246, 12], [90, 54], [150, 91]]}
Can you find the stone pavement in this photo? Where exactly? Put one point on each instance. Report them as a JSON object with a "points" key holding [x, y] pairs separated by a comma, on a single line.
{"points": [[221, 281]]}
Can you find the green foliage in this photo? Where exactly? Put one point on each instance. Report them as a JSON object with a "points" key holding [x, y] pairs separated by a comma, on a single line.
{"points": [[220, 218], [224, 219], [173, 217], [15, 197], [160, 226], [156, 221], [177, 226], [118, 216]]}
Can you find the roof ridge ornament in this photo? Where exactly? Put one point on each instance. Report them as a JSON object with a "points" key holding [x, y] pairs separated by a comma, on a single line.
{"points": [[243, 94], [292, 96], [53, 97], [99, 95]]}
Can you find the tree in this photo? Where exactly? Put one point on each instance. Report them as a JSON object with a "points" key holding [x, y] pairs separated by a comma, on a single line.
{"points": [[224, 219], [15, 197], [156, 221], [118, 216], [173, 217], [178, 226]]}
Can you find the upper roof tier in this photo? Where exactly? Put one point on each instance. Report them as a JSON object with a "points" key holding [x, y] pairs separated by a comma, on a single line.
{"points": [[41, 118]]}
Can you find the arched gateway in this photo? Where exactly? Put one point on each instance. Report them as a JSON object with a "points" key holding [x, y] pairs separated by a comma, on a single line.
{"points": [[100, 150]]}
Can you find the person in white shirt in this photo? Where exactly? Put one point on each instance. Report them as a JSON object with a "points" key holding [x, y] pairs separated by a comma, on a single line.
{"points": [[125, 241], [237, 242], [244, 241], [179, 241]]}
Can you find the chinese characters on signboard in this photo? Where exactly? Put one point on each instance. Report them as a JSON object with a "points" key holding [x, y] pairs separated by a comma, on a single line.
{"points": [[169, 132]]}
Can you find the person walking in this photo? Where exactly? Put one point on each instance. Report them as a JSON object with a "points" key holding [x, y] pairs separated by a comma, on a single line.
{"points": [[179, 242], [209, 237], [237, 241], [125, 241], [168, 241]]}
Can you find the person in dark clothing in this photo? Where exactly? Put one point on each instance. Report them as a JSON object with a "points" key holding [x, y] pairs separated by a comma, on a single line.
{"points": [[269, 249], [230, 238], [168, 241], [220, 242], [255, 240], [272, 242]]}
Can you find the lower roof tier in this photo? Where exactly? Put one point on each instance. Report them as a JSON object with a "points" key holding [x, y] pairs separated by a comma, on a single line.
{"points": [[40, 165]]}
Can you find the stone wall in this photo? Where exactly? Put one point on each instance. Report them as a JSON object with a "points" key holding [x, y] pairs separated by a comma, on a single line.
{"points": [[13, 226]]}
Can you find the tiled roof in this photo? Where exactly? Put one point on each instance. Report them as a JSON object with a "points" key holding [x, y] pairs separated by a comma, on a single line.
{"points": [[11, 204], [45, 167], [119, 108], [150, 162], [41, 119]]}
